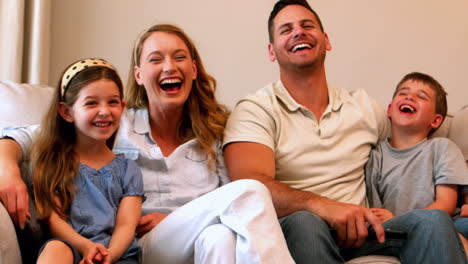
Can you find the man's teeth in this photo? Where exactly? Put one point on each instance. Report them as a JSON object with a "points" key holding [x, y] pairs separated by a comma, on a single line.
{"points": [[407, 109], [301, 46], [170, 81]]}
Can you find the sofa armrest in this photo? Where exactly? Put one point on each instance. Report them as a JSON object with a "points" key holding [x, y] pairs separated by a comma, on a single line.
{"points": [[9, 248]]}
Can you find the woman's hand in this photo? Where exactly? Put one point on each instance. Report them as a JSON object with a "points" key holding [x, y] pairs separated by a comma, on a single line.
{"points": [[382, 214], [148, 222], [96, 252]]}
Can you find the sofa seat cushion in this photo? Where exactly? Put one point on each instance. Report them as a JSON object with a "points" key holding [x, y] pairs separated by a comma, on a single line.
{"points": [[374, 259]]}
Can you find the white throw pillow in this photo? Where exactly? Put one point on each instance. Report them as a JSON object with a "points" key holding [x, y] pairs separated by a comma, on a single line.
{"points": [[23, 104]]}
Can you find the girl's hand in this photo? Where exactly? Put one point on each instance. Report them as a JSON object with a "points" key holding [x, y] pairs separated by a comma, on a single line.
{"points": [[382, 214], [95, 252], [464, 211], [148, 222]]}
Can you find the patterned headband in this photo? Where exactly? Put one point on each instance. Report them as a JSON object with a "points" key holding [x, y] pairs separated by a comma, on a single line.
{"points": [[77, 67]]}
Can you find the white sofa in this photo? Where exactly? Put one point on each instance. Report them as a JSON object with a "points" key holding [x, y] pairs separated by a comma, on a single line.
{"points": [[25, 104]]}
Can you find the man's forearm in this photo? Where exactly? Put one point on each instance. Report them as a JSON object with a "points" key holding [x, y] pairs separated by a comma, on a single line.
{"points": [[10, 151], [287, 200]]}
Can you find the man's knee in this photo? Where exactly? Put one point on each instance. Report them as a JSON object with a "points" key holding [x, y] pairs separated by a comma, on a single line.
{"points": [[304, 223]]}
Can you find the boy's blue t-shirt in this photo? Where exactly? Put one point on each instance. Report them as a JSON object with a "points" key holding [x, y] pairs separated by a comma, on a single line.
{"points": [[402, 180]]}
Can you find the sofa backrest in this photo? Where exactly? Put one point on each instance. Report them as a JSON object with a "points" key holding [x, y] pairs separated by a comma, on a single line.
{"points": [[23, 104], [458, 131], [26, 104]]}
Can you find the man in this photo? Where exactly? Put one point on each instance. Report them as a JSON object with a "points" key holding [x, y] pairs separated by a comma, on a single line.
{"points": [[309, 142]]}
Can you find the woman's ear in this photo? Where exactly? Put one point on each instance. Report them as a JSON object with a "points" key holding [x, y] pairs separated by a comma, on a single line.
{"points": [[65, 112], [137, 75]]}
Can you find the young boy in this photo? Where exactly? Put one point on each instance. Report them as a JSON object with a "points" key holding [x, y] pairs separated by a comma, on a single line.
{"points": [[409, 171]]}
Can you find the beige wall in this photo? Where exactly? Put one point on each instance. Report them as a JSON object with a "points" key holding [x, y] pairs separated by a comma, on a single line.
{"points": [[374, 42]]}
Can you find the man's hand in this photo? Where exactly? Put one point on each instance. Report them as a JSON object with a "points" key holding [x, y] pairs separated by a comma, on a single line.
{"points": [[148, 222], [14, 194], [382, 214], [349, 221]]}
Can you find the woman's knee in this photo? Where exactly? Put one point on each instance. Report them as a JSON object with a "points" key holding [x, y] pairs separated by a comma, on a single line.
{"points": [[255, 186], [216, 237]]}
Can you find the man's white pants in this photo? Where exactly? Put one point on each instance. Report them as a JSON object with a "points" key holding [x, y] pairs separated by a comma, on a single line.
{"points": [[236, 223]]}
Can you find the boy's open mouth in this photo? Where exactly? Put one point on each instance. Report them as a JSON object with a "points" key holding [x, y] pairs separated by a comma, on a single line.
{"points": [[407, 109]]}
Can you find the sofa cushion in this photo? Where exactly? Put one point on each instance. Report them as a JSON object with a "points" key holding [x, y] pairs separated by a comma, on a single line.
{"points": [[458, 132], [374, 260], [444, 128], [23, 104]]}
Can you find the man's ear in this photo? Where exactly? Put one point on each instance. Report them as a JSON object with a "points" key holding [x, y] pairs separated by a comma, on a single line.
{"points": [[271, 52], [437, 121], [65, 112]]}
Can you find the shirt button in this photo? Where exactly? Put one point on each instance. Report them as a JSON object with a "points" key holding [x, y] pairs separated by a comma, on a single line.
{"points": [[155, 152]]}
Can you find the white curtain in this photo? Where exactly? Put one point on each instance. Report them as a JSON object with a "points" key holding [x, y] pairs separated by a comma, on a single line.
{"points": [[25, 40]]}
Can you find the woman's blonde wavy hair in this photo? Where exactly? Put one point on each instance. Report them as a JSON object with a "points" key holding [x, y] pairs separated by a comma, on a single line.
{"points": [[203, 117]]}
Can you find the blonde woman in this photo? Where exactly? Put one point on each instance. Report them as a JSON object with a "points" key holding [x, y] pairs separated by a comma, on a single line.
{"points": [[173, 130]]}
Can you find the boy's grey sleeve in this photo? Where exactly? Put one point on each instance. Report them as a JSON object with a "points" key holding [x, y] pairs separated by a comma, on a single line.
{"points": [[450, 167], [23, 135]]}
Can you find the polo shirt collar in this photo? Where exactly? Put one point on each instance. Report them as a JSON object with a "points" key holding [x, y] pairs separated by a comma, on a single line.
{"points": [[141, 122], [336, 96]]}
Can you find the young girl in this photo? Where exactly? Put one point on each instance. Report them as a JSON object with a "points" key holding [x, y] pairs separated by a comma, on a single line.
{"points": [[90, 197]]}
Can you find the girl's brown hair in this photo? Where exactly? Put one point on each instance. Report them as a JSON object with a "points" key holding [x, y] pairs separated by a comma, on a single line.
{"points": [[53, 157], [203, 117]]}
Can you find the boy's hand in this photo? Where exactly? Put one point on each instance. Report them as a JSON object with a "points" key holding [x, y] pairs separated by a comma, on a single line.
{"points": [[95, 252], [384, 214], [464, 211]]}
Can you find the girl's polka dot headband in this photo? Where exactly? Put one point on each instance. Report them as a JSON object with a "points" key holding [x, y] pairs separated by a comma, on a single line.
{"points": [[77, 67]]}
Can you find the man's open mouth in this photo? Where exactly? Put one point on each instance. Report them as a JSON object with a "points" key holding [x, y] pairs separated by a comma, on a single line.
{"points": [[301, 46]]}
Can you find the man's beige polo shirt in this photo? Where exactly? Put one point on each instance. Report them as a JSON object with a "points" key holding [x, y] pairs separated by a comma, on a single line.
{"points": [[325, 157]]}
